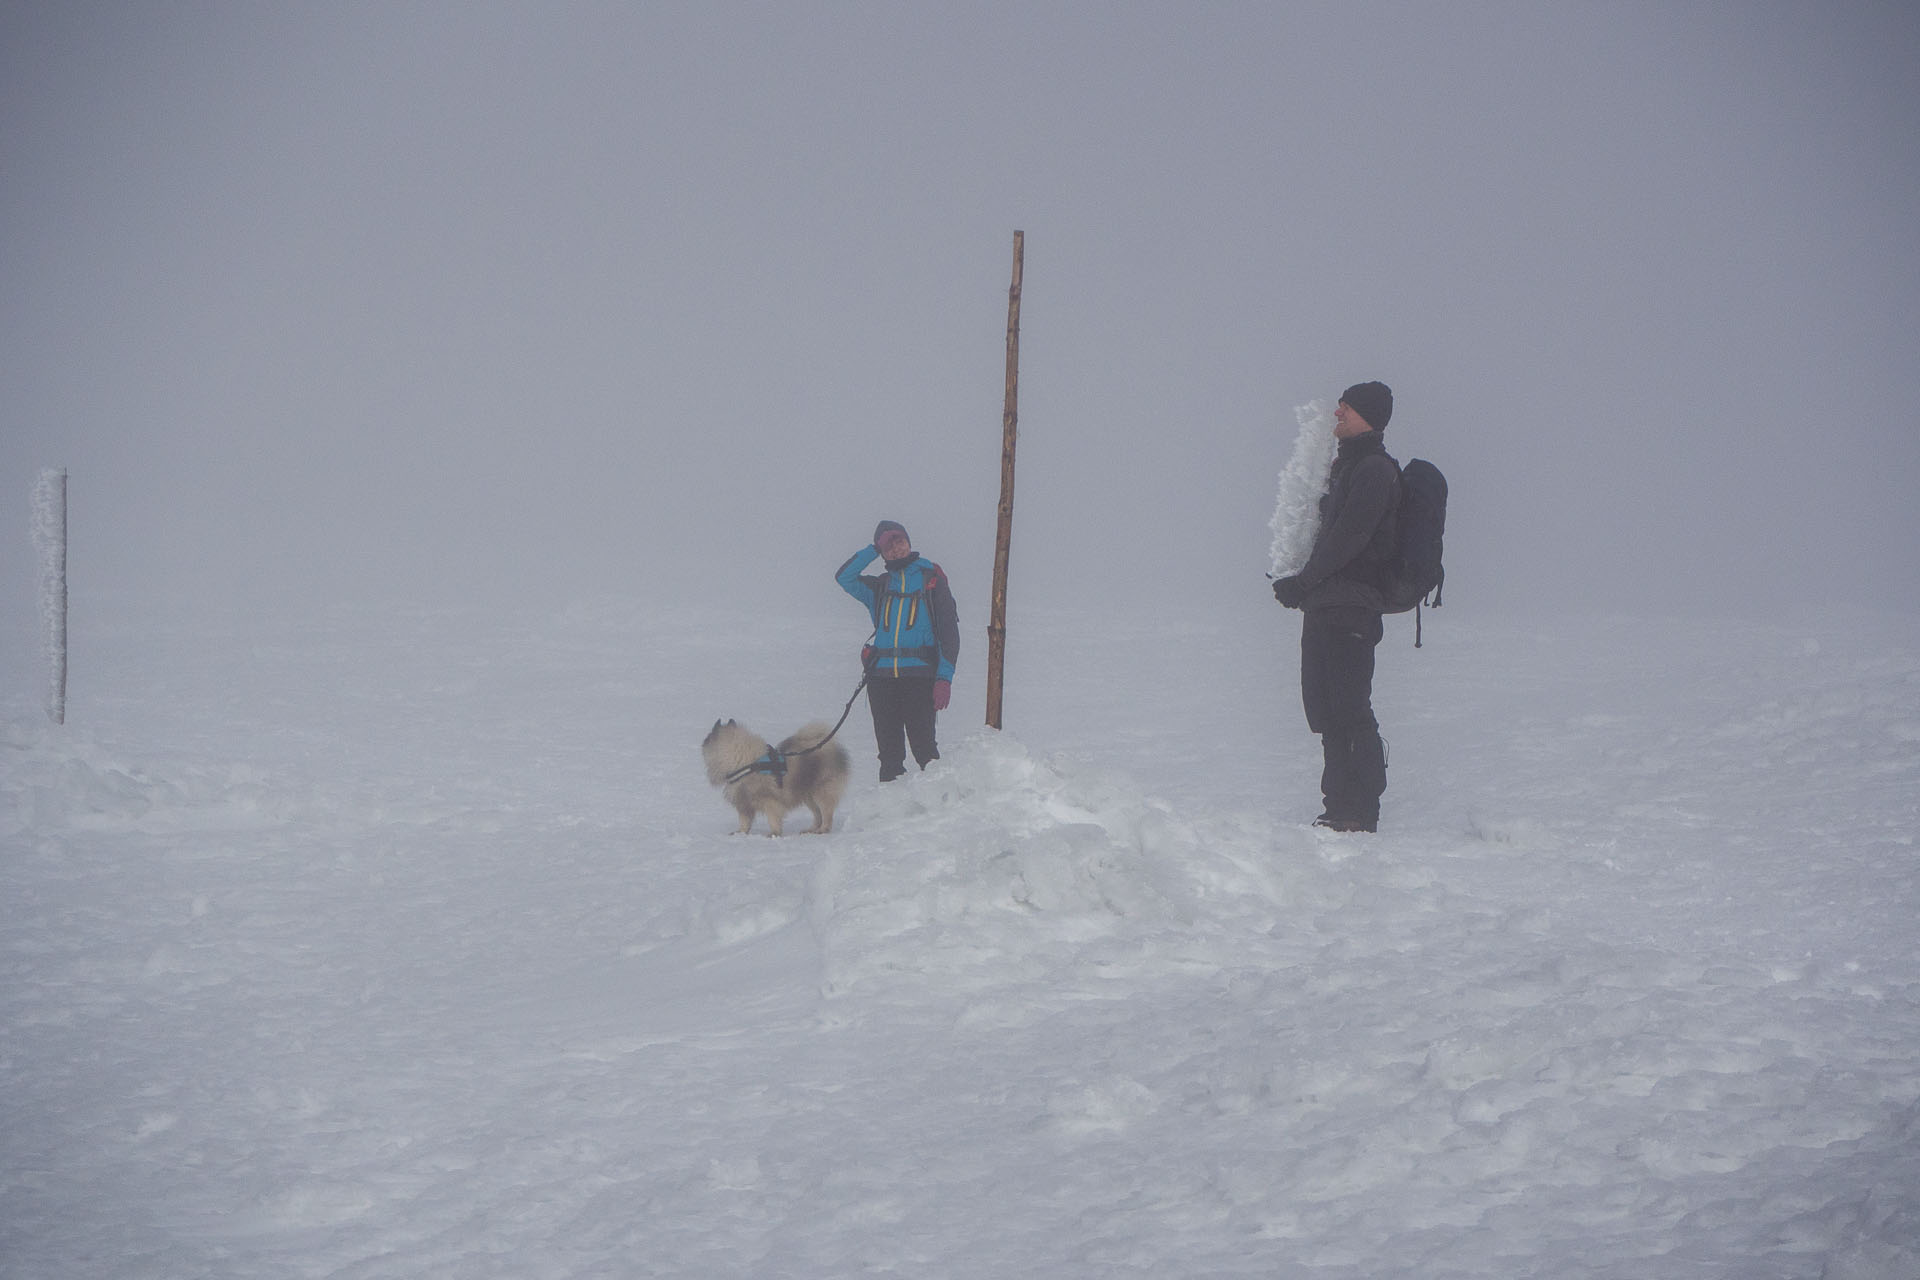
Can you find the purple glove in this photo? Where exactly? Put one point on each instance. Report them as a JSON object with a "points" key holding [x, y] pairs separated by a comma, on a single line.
{"points": [[942, 694]]}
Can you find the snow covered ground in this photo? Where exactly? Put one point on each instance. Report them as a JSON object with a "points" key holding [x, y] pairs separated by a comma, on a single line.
{"points": [[383, 946]]}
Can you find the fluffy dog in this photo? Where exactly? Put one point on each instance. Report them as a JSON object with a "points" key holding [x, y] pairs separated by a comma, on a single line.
{"points": [[758, 779]]}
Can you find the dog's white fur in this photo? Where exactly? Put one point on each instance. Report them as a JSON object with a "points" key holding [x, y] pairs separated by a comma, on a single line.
{"points": [[815, 780]]}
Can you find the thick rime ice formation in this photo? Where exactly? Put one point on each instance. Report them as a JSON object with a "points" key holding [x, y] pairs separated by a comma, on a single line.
{"points": [[1296, 508], [50, 543]]}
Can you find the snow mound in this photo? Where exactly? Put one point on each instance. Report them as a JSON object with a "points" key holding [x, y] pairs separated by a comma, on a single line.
{"points": [[57, 780], [998, 866]]}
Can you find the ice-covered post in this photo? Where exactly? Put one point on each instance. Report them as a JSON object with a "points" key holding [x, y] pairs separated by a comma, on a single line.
{"points": [[1296, 509], [1009, 436], [50, 538]]}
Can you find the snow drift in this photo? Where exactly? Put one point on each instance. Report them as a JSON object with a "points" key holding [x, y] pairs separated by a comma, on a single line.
{"points": [[409, 946]]}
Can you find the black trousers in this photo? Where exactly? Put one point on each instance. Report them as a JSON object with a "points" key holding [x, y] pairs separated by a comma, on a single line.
{"points": [[902, 716], [1336, 687]]}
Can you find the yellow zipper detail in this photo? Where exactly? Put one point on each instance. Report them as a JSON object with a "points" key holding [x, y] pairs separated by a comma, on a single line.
{"points": [[896, 622]]}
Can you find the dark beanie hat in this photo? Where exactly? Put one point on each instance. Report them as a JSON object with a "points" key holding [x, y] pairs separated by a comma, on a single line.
{"points": [[880, 530], [1372, 401]]}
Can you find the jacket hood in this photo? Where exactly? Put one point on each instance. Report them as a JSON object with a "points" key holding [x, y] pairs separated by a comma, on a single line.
{"points": [[1361, 445]]}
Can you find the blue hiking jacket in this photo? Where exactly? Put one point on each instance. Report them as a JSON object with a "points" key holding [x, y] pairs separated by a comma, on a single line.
{"points": [[916, 629]]}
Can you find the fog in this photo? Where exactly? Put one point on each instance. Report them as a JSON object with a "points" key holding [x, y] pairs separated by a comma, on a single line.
{"points": [[534, 303]]}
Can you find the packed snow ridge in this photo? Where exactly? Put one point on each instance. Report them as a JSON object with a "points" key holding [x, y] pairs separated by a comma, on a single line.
{"points": [[419, 945]]}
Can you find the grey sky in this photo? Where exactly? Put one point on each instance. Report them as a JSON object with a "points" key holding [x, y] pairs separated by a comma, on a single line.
{"points": [[539, 301]]}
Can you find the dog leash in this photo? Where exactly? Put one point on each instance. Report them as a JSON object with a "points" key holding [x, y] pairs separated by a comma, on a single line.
{"points": [[775, 760]]}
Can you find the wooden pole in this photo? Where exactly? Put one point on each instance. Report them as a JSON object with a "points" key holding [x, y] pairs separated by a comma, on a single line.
{"points": [[1009, 435]]}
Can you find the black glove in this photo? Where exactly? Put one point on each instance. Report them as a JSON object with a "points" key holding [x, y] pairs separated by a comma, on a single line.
{"points": [[1289, 591]]}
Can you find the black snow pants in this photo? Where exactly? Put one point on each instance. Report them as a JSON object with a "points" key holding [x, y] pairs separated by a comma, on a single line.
{"points": [[902, 715], [1336, 687]]}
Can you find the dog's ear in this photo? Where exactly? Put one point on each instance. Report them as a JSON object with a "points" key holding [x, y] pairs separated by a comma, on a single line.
{"points": [[714, 730], [731, 722]]}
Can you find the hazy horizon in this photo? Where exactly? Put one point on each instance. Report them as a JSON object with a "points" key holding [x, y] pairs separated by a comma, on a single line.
{"points": [[528, 303]]}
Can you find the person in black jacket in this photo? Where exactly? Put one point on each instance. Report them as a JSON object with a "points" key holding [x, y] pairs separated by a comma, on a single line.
{"points": [[1339, 592]]}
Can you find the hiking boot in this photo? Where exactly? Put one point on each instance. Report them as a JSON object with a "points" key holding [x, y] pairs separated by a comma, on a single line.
{"points": [[1345, 824]]}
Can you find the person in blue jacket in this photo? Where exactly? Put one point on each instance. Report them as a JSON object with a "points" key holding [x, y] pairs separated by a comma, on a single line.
{"points": [[916, 639]]}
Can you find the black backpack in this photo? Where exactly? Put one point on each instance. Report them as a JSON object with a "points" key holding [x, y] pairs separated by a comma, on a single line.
{"points": [[1415, 573]]}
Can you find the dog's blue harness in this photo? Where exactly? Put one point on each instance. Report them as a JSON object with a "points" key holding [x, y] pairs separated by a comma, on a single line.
{"points": [[773, 763]]}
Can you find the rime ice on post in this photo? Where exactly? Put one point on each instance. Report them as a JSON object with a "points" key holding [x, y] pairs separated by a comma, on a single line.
{"points": [[1296, 511], [50, 538]]}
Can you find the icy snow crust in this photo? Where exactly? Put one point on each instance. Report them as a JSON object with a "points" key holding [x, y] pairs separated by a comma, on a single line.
{"points": [[417, 946]]}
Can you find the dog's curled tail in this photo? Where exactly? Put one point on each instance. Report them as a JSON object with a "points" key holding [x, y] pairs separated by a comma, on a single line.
{"points": [[806, 737]]}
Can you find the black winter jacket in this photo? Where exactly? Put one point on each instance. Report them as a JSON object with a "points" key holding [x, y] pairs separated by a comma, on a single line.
{"points": [[1358, 519]]}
